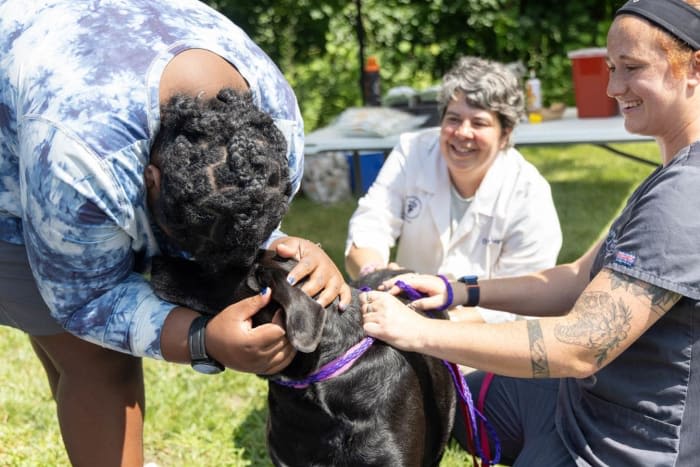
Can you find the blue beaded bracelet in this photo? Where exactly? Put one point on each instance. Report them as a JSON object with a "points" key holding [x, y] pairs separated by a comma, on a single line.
{"points": [[450, 294]]}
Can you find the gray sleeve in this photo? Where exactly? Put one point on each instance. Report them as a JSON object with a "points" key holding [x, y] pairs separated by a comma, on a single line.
{"points": [[656, 237]]}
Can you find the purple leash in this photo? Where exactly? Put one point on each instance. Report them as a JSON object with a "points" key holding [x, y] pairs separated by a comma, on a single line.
{"points": [[331, 369], [461, 386]]}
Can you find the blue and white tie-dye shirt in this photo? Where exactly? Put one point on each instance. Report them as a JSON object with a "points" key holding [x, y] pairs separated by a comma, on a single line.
{"points": [[79, 108]]}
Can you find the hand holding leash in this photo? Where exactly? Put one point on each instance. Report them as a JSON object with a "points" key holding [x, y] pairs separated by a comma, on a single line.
{"points": [[434, 287], [386, 318]]}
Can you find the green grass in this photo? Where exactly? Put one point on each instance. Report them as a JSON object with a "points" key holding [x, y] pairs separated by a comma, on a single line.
{"points": [[198, 420], [589, 185]]}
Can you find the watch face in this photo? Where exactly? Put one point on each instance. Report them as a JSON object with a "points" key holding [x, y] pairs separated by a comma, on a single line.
{"points": [[472, 280], [207, 367]]}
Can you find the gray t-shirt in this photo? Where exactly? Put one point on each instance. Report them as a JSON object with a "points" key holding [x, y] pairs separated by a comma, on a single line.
{"points": [[642, 408], [458, 207]]}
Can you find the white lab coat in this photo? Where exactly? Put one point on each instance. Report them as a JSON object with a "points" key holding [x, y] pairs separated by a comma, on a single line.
{"points": [[510, 228]]}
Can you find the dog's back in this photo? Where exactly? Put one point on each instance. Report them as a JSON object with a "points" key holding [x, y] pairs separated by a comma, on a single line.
{"points": [[389, 408]]}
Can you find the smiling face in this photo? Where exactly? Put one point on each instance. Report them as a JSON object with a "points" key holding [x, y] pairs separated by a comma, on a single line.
{"points": [[470, 139], [654, 97]]}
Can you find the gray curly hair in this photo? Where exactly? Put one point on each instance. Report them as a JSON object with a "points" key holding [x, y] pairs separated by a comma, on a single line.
{"points": [[485, 84]]}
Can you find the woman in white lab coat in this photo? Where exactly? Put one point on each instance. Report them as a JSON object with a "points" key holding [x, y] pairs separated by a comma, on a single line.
{"points": [[460, 197]]}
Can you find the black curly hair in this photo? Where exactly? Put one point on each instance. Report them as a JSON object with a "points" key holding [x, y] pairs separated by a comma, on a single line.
{"points": [[224, 177]]}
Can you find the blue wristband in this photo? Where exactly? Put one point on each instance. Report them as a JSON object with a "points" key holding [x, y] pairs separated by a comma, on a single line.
{"points": [[450, 294], [472, 283]]}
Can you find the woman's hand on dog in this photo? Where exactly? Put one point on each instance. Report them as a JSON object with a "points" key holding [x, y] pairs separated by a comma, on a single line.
{"points": [[386, 318], [429, 285], [233, 341], [324, 281]]}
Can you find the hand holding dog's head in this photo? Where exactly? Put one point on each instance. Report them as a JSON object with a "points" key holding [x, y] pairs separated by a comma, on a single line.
{"points": [[186, 283], [304, 317]]}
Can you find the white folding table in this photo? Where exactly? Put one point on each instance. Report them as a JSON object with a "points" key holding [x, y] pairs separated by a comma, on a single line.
{"points": [[567, 130]]}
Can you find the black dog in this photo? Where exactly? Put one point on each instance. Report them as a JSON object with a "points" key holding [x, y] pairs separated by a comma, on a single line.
{"points": [[390, 408]]}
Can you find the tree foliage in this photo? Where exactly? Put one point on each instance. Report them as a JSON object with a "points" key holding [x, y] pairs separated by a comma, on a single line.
{"points": [[315, 42]]}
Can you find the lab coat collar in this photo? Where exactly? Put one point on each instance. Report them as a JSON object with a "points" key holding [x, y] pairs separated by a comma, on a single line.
{"points": [[487, 194], [434, 179], [433, 168], [437, 178], [485, 200]]}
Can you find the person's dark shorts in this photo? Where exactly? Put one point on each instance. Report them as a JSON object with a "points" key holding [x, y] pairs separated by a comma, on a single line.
{"points": [[21, 305], [522, 412]]}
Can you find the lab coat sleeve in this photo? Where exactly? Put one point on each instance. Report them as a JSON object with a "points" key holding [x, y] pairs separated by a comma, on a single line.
{"points": [[533, 237], [532, 240], [377, 221]]}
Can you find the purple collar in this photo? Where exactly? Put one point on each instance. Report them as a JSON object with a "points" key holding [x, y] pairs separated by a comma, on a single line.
{"points": [[331, 369]]}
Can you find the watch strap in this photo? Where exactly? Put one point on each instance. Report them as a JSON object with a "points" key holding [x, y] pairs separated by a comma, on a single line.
{"points": [[472, 283], [197, 344]]}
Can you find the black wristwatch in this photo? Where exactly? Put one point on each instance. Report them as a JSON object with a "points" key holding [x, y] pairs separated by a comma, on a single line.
{"points": [[472, 283], [201, 362]]}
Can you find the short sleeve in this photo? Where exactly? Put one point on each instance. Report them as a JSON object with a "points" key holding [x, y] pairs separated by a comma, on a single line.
{"points": [[655, 239]]}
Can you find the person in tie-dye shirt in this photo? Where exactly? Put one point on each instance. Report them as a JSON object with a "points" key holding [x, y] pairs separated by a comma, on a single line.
{"points": [[82, 85]]}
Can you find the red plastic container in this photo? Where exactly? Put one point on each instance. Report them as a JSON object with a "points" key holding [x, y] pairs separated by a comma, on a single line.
{"points": [[590, 74]]}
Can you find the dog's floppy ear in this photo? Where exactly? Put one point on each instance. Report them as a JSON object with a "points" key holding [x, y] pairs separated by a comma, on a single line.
{"points": [[304, 317]]}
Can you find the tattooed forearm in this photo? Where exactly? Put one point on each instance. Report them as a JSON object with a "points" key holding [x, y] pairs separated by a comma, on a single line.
{"points": [[538, 355], [600, 324], [601, 320], [660, 300]]}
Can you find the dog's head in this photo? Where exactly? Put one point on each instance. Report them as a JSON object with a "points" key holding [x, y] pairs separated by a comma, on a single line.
{"points": [[186, 283]]}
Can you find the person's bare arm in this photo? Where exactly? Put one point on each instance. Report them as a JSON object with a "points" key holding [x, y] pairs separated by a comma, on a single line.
{"points": [[360, 261], [551, 292], [231, 338], [610, 314]]}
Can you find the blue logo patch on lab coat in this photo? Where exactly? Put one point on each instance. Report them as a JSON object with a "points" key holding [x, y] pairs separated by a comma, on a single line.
{"points": [[413, 207]]}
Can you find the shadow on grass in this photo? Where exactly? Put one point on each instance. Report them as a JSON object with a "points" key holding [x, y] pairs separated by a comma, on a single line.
{"points": [[250, 436]]}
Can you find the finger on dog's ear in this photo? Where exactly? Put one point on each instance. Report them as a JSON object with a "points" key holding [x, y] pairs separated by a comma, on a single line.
{"points": [[251, 305], [289, 248], [302, 270], [278, 318], [345, 297]]}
